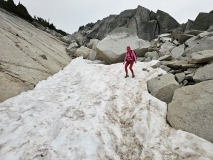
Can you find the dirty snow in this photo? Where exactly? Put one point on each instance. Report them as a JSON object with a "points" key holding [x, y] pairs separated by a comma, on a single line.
{"points": [[89, 111]]}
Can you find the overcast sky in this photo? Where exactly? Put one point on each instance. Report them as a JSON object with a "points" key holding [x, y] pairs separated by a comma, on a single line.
{"points": [[69, 15]]}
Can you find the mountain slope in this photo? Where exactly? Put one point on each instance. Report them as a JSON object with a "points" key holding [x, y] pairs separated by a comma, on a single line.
{"points": [[27, 55], [90, 111]]}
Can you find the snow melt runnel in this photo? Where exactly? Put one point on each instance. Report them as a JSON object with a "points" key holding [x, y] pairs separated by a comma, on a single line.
{"points": [[90, 111]]}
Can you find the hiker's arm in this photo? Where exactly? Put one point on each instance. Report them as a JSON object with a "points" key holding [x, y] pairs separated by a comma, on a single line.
{"points": [[125, 58]]}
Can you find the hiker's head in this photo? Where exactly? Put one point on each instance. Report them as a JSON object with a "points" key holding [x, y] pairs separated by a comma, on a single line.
{"points": [[128, 48]]}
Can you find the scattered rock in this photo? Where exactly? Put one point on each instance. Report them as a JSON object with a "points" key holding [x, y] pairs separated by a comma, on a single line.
{"points": [[166, 48], [177, 51], [180, 77]]}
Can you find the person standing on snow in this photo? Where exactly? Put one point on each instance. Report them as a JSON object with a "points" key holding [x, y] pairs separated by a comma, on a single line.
{"points": [[130, 58]]}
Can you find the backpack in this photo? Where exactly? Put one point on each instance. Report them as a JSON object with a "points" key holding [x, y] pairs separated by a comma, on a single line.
{"points": [[132, 56]]}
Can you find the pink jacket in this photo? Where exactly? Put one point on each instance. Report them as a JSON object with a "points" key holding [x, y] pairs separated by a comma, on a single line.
{"points": [[130, 56]]}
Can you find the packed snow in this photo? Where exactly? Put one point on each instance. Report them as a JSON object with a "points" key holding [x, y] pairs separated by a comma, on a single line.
{"points": [[89, 111]]}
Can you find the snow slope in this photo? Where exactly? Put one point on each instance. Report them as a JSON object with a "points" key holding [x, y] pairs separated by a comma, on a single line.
{"points": [[89, 112]]}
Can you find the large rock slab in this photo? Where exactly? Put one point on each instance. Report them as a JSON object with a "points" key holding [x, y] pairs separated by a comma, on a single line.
{"points": [[202, 56], [182, 64], [198, 43], [28, 55], [113, 48], [191, 110], [204, 73], [163, 87]]}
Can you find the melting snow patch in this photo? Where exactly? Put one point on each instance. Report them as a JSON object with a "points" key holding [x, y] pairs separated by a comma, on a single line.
{"points": [[90, 111]]}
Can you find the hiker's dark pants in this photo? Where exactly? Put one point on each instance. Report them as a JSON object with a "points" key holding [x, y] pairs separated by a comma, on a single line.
{"points": [[130, 67]]}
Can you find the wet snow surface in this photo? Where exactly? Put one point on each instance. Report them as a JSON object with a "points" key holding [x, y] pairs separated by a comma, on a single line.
{"points": [[89, 112]]}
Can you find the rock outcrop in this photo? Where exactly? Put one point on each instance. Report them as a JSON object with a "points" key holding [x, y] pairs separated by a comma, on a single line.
{"points": [[28, 55], [144, 22]]}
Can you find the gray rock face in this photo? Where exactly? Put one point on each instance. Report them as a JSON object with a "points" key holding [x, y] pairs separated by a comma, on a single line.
{"points": [[121, 20], [166, 22], [100, 29], [149, 30], [202, 56], [27, 55], [163, 87], [145, 26], [204, 73], [146, 23], [203, 21], [191, 110]]}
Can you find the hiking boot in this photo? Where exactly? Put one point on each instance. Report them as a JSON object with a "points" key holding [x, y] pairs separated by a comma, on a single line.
{"points": [[133, 76], [126, 76]]}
